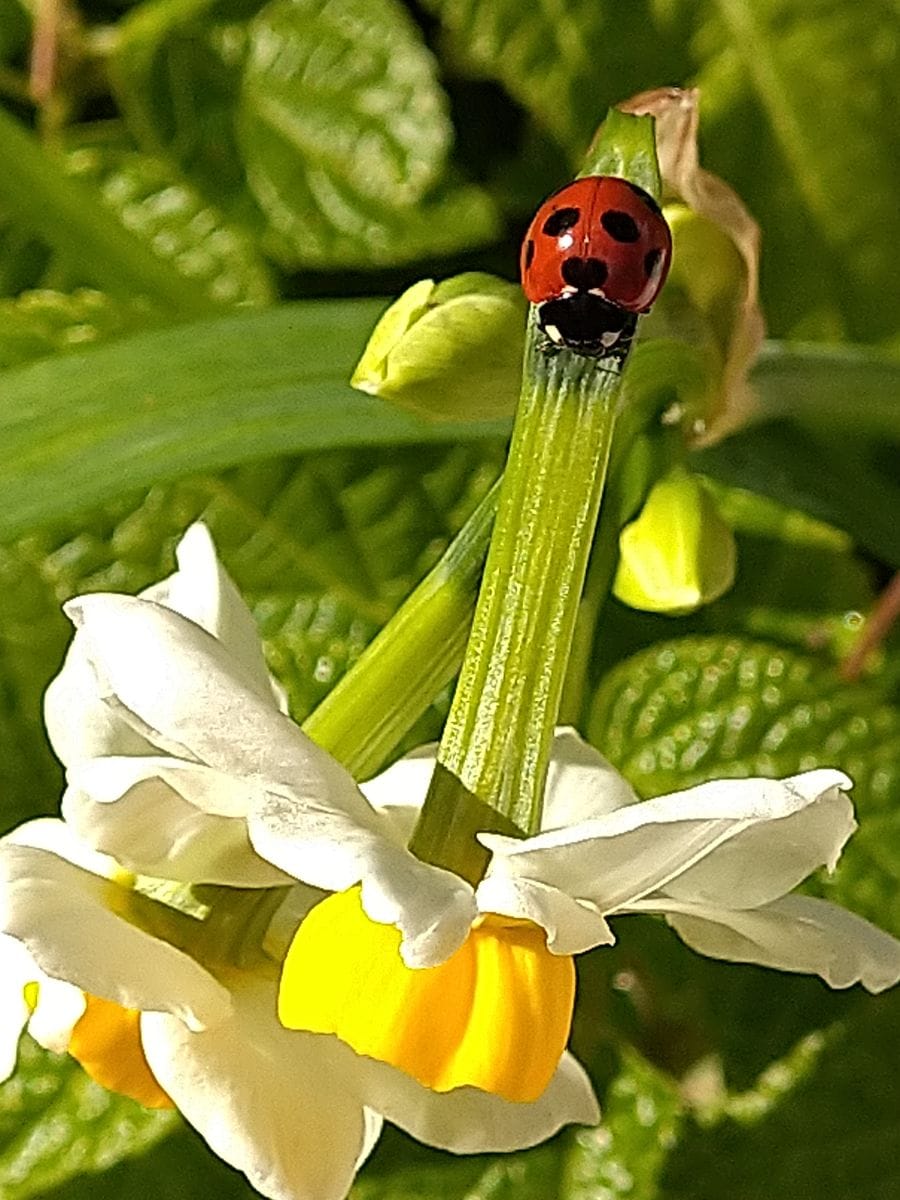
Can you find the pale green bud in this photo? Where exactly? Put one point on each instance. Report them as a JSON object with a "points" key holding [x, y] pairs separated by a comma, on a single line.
{"points": [[678, 554], [451, 350]]}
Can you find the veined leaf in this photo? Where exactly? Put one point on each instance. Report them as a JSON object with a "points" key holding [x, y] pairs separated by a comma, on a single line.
{"points": [[176, 70], [565, 63], [39, 323], [345, 136], [823, 76], [55, 1124], [70, 218], [154, 202], [835, 1134]]}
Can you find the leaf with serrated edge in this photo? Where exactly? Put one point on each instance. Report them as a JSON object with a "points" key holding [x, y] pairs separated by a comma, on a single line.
{"points": [[153, 201], [55, 1123], [345, 136], [176, 72], [564, 63], [38, 323]]}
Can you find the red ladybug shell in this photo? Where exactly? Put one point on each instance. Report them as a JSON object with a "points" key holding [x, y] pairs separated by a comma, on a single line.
{"points": [[602, 236]]}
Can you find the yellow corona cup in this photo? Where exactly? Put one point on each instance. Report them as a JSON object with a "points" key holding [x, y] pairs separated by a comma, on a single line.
{"points": [[494, 1016]]}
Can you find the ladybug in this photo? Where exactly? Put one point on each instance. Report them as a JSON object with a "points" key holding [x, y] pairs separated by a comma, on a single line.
{"points": [[595, 255]]}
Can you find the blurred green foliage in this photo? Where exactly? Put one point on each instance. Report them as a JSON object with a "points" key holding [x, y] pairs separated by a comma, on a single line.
{"points": [[191, 167]]}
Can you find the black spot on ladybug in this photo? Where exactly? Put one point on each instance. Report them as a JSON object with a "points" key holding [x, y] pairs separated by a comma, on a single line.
{"points": [[561, 220], [651, 261], [645, 196], [620, 225], [529, 253], [585, 274]]}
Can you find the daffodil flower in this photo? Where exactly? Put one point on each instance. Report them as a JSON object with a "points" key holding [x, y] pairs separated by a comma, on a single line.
{"points": [[147, 1020], [717, 861], [94, 958], [458, 994]]}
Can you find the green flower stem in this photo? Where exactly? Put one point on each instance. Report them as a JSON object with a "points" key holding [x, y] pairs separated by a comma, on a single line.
{"points": [[497, 738], [416, 654], [70, 217]]}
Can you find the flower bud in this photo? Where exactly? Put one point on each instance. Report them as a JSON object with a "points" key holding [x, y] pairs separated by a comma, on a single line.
{"points": [[449, 351], [678, 554]]}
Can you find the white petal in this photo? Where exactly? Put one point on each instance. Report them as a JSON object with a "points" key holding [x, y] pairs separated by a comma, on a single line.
{"points": [[267, 1101], [581, 784], [17, 969], [469, 1121], [79, 723], [313, 823], [399, 791], [181, 688], [168, 818], [795, 933], [770, 858], [202, 590], [50, 833], [62, 915], [59, 1008], [622, 857], [432, 908], [572, 926]]}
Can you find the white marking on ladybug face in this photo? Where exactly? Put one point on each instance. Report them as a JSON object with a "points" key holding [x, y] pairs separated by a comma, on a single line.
{"points": [[553, 334], [609, 339], [597, 292]]}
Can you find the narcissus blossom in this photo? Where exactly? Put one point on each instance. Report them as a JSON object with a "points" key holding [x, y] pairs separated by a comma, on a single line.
{"points": [[130, 932], [81, 969], [450, 1002], [718, 862]]}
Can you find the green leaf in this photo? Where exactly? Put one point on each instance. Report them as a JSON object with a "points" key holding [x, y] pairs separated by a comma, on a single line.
{"points": [[626, 1155], [196, 397], [345, 136], [154, 202], [176, 71], [41, 323], [788, 76], [833, 1134], [699, 708], [565, 63], [15, 28], [841, 389], [71, 219], [55, 1123], [837, 479]]}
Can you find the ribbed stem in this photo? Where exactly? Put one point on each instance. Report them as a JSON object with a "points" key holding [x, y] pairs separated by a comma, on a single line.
{"points": [[497, 739]]}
